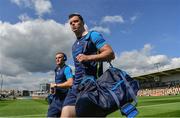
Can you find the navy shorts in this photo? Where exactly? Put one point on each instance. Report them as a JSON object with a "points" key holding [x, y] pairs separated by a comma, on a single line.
{"points": [[70, 99], [56, 105]]}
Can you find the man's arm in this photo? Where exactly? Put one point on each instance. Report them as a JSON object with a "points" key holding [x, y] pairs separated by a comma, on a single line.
{"points": [[66, 84], [69, 79], [106, 54]]}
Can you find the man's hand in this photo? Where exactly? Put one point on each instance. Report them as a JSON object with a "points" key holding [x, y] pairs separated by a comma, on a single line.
{"points": [[82, 58], [106, 54], [52, 85]]}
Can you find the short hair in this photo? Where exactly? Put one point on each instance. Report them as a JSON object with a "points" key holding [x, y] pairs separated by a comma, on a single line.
{"points": [[64, 55], [78, 15]]}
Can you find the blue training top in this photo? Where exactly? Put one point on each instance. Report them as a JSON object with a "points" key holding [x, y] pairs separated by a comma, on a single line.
{"points": [[62, 75], [88, 45]]}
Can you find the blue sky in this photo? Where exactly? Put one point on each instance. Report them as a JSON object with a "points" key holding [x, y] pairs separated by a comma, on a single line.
{"points": [[141, 33]]}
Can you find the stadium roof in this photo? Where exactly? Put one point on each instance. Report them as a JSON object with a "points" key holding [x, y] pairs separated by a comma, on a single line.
{"points": [[158, 74]]}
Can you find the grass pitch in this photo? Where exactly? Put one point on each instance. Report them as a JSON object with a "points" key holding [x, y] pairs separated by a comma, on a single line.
{"points": [[161, 106], [23, 108], [157, 106]]}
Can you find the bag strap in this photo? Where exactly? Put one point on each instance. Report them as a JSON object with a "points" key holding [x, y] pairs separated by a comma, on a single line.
{"points": [[129, 110], [123, 74]]}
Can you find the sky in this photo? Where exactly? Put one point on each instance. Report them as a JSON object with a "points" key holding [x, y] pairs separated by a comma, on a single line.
{"points": [[144, 35]]}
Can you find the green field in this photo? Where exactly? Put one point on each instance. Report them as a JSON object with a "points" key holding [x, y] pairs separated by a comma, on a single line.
{"points": [[161, 106], [165, 106], [23, 108]]}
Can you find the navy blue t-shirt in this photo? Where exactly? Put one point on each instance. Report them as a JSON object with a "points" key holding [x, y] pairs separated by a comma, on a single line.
{"points": [[62, 75], [88, 44]]}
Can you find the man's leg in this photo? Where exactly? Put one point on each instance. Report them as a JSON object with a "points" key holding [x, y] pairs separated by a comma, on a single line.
{"points": [[54, 107], [68, 111]]}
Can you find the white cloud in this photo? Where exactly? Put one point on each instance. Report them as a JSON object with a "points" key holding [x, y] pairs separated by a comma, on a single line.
{"points": [[157, 59], [142, 61], [25, 3], [30, 46], [101, 29], [174, 63], [9, 67], [133, 19], [40, 6], [113, 19], [26, 81], [24, 17]]}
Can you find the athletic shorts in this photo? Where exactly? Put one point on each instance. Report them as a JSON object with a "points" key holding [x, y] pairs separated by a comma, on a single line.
{"points": [[70, 99], [56, 105]]}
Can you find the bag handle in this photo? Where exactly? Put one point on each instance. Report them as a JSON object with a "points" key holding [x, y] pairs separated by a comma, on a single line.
{"points": [[129, 110], [130, 90], [122, 74]]}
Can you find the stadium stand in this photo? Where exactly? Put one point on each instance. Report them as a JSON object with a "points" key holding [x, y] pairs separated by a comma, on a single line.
{"points": [[160, 83]]}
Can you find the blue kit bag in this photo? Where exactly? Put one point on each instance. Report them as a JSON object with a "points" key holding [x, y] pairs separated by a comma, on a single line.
{"points": [[113, 90]]}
